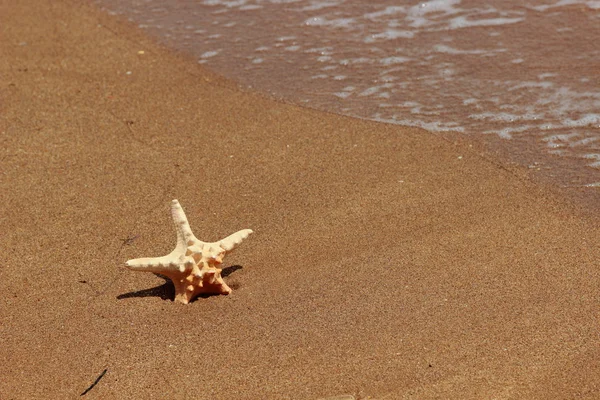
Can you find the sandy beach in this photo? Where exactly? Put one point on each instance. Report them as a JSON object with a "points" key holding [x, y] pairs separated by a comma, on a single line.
{"points": [[386, 262]]}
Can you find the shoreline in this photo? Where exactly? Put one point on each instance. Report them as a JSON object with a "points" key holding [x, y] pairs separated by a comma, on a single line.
{"points": [[386, 262], [226, 47]]}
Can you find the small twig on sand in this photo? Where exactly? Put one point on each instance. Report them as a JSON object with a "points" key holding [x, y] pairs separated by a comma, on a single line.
{"points": [[95, 383]]}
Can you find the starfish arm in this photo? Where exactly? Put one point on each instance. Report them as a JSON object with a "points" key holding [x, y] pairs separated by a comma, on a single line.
{"points": [[182, 226], [156, 264], [232, 241]]}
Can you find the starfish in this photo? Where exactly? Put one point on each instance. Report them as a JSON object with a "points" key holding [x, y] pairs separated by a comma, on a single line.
{"points": [[192, 266]]}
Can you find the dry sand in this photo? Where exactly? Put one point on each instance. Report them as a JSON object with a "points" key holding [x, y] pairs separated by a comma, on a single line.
{"points": [[386, 262]]}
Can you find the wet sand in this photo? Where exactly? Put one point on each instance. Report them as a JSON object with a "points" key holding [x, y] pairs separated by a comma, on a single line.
{"points": [[386, 262], [520, 78]]}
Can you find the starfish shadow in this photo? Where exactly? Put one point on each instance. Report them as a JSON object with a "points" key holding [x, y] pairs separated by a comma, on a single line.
{"points": [[166, 291], [230, 270]]}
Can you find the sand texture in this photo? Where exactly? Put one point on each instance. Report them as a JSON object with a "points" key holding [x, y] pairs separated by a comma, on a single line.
{"points": [[386, 262]]}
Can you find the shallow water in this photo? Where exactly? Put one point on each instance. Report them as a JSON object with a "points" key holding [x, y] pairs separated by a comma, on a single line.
{"points": [[524, 74]]}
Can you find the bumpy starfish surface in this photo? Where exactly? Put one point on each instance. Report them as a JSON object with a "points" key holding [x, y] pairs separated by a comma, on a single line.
{"points": [[192, 265]]}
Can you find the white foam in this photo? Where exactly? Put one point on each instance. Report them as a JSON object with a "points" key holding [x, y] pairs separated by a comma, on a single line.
{"points": [[504, 117], [434, 6], [560, 140], [596, 159], [442, 48], [334, 23], [417, 15], [586, 120], [318, 5], [390, 10], [208, 54], [507, 133], [410, 104], [342, 95], [359, 60], [321, 50], [369, 91], [228, 4], [393, 60], [436, 126], [584, 142], [389, 34], [250, 7], [527, 84], [463, 22], [561, 3]]}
